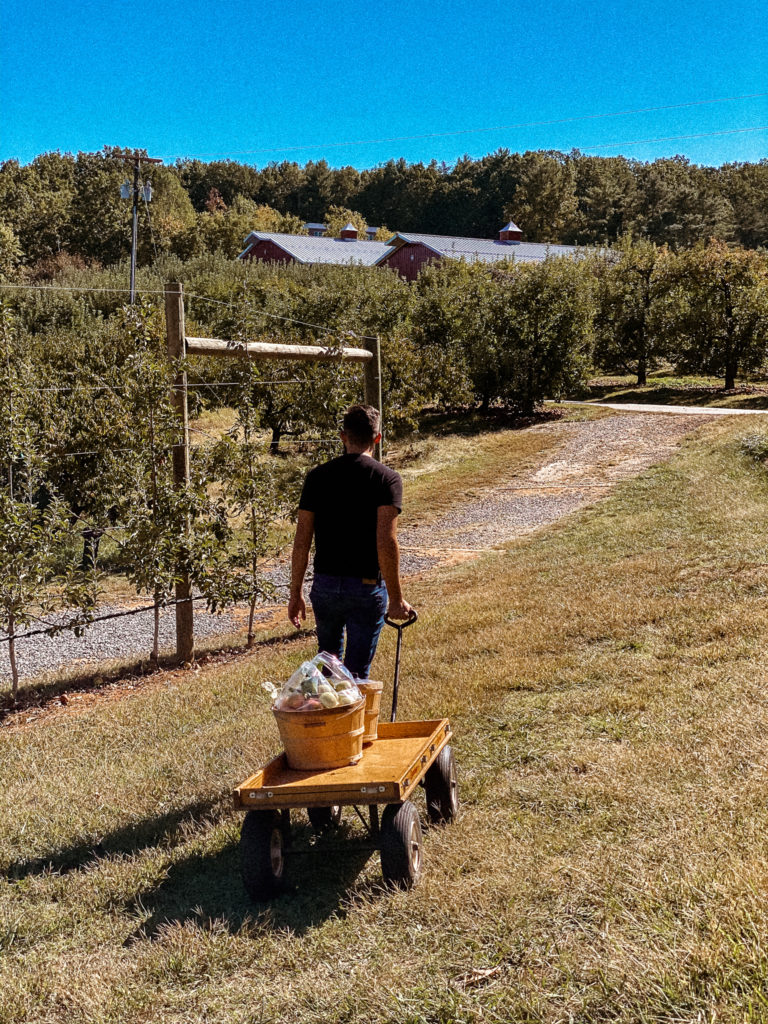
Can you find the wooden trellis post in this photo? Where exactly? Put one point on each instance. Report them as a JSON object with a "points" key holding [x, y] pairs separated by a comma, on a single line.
{"points": [[373, 384], [179, 346], [174, 327]]}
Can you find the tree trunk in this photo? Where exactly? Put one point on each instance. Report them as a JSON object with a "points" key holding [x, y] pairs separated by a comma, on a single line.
{"points": [[155, 659], [250, 620], [91, 541], [642, 372], [274, 444], [12, 656], [731, 359]]}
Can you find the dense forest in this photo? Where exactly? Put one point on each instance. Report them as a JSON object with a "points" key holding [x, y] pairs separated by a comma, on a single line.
{"points": [[62, 211]]}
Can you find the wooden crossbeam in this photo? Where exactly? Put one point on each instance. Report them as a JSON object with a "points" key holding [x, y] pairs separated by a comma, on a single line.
{"points": [[267, 350], [179, 345]]}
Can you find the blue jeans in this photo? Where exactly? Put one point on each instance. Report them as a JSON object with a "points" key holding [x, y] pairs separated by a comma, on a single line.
{"points": [[346, 603]]}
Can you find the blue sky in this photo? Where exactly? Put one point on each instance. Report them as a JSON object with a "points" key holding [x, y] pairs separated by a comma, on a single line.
{"points": [[254, 80]]}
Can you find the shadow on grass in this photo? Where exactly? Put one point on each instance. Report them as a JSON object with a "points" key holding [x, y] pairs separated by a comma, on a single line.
{"points": [[743, 397], [437, 423], [162, 830], [207, 889]]}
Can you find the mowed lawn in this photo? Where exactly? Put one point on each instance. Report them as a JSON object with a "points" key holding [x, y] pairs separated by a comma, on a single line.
{"points": [[607, 683]]}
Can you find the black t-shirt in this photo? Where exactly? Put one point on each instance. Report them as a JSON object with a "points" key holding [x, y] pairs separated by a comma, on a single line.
{"points": [[345, 495]]}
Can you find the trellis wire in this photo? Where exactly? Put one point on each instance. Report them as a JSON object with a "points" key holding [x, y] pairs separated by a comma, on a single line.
{"points": [[52, 628], [187, 295], [113, 615]]}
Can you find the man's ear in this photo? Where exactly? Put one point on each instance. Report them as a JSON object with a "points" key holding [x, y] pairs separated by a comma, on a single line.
{"points": [[377, 438]]}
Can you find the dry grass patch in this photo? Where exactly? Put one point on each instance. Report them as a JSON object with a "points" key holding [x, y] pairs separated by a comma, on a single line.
{"points": [[606, 683]]}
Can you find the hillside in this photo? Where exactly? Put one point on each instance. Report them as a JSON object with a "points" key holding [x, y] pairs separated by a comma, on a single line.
{"points": [[604, 680]]}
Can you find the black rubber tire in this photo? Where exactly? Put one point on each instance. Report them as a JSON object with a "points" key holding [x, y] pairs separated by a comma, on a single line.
{"points": [[441, 788], [262, 854], [401, 845], [324, 818]]}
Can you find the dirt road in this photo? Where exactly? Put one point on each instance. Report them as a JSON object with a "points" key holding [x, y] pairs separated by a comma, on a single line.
{"points": [[591, 457]]}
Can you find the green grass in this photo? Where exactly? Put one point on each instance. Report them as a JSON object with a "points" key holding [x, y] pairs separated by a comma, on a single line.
{"points": [[665, 388], [606, 683]]}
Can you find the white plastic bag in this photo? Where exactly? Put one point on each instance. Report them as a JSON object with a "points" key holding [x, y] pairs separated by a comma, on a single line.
{"points": [[320, 683]]}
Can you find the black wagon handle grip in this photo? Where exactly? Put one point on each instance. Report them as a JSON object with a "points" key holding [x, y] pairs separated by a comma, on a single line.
{"points": [[413, 617], [399, 626]]}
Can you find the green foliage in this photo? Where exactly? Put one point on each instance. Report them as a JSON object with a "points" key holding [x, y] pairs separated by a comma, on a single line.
{"points": [[10, 251], [223, 230], [170, 532], [680, 204], [632, 305], [755, 446], [719, 320], [544, 203], [253, 497], [337, 217], [542, 316], [512, 333], [64, 204], [746, 188], [607, 195], [32, 583]]}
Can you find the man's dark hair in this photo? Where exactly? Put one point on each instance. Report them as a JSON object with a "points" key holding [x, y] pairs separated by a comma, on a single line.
{"points": [[362, 423]]}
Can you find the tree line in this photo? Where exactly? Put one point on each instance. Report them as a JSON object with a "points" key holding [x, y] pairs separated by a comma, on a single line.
{"points": [[64, 210]]}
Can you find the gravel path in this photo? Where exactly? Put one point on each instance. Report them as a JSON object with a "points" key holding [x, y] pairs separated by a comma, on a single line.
{"points": [[589, 459]]}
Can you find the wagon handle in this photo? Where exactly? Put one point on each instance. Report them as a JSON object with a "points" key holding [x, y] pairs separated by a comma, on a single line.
{"points": [[399, 626]]}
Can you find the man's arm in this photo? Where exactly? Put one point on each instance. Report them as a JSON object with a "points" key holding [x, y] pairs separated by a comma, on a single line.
{"points": [[302, 542], [389, 561]]}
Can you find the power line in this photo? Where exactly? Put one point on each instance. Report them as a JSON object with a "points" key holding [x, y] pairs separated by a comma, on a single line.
{"points": [[496, 128], [677, 138]]}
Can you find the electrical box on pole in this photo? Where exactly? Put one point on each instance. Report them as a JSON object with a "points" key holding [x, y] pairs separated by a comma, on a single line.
{"points": [[132, 191]]}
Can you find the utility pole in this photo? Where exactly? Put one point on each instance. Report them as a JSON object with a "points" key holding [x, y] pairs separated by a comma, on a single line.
{"points": [[128, 191]]}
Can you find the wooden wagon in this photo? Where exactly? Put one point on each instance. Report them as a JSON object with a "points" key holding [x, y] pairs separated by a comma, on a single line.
{"points": [[404, 756]]}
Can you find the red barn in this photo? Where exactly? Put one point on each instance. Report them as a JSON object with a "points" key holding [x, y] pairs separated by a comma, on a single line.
{"points": [[347, 250], [409, 252]]}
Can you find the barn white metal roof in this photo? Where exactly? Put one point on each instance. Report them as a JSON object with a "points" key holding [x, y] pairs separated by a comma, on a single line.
{"points": [[307, 249], [484, 250]]}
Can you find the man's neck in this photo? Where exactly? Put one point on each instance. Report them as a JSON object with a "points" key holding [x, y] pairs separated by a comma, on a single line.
{"points": [[350, 450]]}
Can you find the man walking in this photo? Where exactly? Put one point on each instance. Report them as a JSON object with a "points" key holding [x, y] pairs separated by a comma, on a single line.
{"points": [[350, 506]]}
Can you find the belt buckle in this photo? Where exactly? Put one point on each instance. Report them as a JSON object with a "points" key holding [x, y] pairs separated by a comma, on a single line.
{"points": [[369, 581]]}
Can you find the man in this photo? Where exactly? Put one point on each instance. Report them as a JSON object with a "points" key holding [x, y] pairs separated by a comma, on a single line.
{"points": [[350, 506]]}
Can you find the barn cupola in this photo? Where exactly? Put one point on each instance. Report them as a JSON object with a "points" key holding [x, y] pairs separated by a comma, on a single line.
{"points": [[349, 231], [511, 233]]}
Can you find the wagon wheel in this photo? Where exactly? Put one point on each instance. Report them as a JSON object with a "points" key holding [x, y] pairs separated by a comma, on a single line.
{"points": [[441, 786], [324, 818], [401, 845], [262, 854]]}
